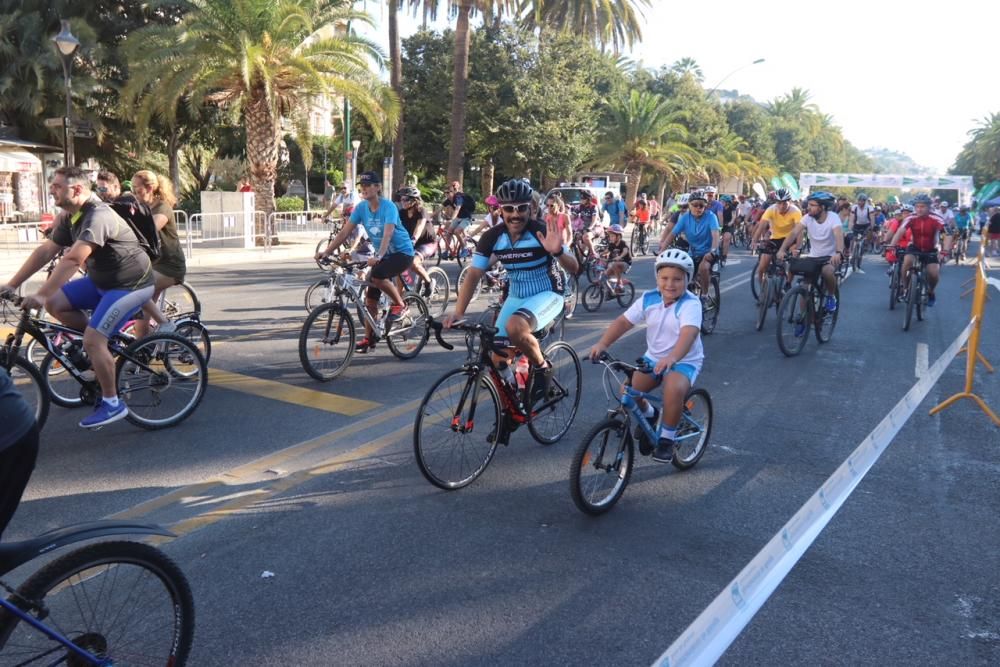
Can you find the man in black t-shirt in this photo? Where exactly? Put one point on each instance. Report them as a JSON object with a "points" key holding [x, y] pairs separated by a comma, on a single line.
{"points": [[462, 206], [119, 279]]}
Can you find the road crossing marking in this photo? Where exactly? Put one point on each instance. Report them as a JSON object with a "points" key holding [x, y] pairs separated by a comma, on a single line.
{"points": [[279, 391]]}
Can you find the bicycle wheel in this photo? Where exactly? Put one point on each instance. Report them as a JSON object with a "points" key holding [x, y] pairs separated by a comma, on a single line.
{"points": [[196, 333], [124, 601], [893, 288], [912, 296], [549, 424], [627, 295], [408, 335], [602, 467], [572, 297], [644, 243], [455, 433], [695, 429], [826, 322], [921, 296], [593, 270], [30, 384], [317, 294], [755, 281], [635, 244], [793, 319], [462, 277], [711, 306], [162, 378], [593, 297], [177, 300], [62, 387], [437, 302], [763, 304], [326, 342]]}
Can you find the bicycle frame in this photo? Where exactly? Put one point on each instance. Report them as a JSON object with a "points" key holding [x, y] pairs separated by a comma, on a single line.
{"points": [[629, 405], [54, 635]]}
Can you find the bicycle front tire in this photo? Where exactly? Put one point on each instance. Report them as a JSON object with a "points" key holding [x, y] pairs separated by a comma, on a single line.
{"points": [[133, 601], [793, 313], [172, 364], [407, 336], [30, 384], [326, 342], [695, 426], [601, 467]]}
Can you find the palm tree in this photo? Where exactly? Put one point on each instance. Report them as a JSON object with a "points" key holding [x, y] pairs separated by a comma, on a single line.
{"points": [[614, 23], [688, 66], [644, 134], [263, 60]]}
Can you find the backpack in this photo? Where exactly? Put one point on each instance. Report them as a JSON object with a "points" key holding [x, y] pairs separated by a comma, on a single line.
{"points": [[140, 219]]}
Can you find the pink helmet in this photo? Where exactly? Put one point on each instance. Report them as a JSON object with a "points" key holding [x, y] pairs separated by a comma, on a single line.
{"points": [[492, 201]]}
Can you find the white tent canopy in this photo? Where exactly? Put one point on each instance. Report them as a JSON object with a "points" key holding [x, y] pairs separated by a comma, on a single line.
{"points": [[948, 182]]}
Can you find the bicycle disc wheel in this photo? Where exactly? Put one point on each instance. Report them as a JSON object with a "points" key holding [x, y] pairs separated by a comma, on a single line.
{"points": [[162, 380], [196, 333], [30, 384], [793, 321], [763, 304], [695, 429], [602, 467], [462, 277], [62, 387], [452, 446], [593, 297], [826, 322], [326, 342], [408, 335], [317, 294], [710, 308], [177, 300], [549, 424], [627, 296], [437, 302], [124, 601], [911, 299]]}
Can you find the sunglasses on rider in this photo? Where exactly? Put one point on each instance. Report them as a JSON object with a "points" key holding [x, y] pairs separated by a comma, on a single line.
{"points": [[697, 205], [515, 208]]}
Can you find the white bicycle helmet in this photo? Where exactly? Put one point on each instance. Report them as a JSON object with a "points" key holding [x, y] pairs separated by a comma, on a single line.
{"points": [[675, 257]]}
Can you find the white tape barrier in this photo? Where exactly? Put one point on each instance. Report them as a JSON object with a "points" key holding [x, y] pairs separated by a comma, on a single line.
{"points": [[994, 282], [705, 640]]}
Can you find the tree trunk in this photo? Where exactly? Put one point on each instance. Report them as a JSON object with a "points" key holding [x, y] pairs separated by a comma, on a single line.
{"points": [[662, 194], [487, 182], [262, 156], [463, 37], [632, 187], [174, 158], [396, 81]]}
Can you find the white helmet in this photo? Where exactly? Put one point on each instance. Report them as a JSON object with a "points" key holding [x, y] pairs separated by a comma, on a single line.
{"points": [[675, 257]]}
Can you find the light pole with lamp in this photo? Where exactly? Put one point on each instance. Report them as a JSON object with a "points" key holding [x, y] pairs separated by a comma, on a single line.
{"points": [[356, 144], [741, 67], [67, 45]]}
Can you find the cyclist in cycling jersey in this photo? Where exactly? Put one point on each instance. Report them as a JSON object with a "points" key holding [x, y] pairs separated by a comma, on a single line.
{"points": [[826, 242], [418, 226], [963, 222], [862, 216], [701, 229], [532, 255], [891, 227], [926, 229], [780, 219], [380, 218]]}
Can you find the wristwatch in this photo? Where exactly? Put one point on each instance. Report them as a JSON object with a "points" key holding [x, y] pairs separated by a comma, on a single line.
{"points": [[560, 253]]}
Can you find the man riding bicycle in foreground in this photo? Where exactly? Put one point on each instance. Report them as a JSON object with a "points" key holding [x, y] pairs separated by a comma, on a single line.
{"points": [[532, 254], [926, 229], [701, 228]]}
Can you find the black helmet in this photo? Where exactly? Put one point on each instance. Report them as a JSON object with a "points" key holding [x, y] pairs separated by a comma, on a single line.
{"points": [[824, 199], [697, 195], [781, 194], [515, 190]]}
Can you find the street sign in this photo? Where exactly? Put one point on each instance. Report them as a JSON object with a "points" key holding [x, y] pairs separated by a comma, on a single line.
{"points": [[83, 129], [54, 122]]}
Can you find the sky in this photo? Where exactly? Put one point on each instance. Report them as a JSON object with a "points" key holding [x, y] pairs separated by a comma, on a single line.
{"points": [[908, 76]]}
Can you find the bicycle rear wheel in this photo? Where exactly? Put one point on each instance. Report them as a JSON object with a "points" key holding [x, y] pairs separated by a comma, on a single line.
{"points": [[162, 379], [549, 423], [793, 321], [763, 304], [124, 601], [440, 293], [326, 342], [601, 467], [197, 335], [408, 335], [177, 300], [463, 275], [593, 297], [695, 429], [455, 433], [711, 306], [826, 322], [318, 293], [30, 384]]}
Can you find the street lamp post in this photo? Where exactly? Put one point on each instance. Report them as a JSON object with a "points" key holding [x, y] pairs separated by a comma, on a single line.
{"points": [[356, 144], [67, 45], [741, 67]]}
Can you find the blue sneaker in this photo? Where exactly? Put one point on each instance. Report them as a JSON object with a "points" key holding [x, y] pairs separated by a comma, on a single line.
{"points": [[931, 299], [105, 414], [800, 329], [831, 304]]}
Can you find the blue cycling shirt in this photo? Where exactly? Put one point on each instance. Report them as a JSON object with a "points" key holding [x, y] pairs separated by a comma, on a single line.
{"points": [[374, 224], [698, 231], [963, 220], [614, 209]]}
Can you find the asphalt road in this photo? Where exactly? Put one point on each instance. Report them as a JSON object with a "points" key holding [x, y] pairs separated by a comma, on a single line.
{"points": [[374, 566]]}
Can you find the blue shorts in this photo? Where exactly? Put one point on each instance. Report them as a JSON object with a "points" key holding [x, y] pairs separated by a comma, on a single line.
{"points": [[111, 308], [539, 309], [690, 371]]}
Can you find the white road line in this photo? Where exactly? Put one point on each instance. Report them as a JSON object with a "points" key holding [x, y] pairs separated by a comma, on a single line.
{"points": [[708, 637], [923, 360]]}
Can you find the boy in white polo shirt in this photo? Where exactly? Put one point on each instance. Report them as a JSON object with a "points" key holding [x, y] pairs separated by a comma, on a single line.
{"points": [[673, 344]]}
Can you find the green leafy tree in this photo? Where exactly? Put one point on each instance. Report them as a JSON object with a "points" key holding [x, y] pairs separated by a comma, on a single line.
{"points": [[980, 156], [688, 66]]}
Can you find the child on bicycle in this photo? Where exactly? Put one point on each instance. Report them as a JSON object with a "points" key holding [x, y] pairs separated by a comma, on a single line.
{"points": [[619, 257], [673, 344]]}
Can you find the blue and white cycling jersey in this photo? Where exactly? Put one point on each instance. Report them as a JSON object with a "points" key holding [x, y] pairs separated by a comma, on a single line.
{"points": [[530, 268], [664, 323], [374, 224]]}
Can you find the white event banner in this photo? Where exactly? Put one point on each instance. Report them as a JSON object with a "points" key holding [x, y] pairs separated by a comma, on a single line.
{"points": [[812, 180]]}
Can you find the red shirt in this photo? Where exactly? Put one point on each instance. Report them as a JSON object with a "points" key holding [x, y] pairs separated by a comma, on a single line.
{"points": [[925, 229], [892, 226]]}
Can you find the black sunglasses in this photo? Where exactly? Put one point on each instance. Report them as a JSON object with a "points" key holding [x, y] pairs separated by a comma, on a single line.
{"points": [[515, 208]]}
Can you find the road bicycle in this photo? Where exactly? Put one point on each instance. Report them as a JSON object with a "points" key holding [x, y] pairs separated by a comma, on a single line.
{"points": [[897, 288], [772, 288], [327, 341], [605, 289], [917, 287], [603, 462], [640, 240], [161, 377], [108, 603], [494, 280], [803, 307], [470, 410]]}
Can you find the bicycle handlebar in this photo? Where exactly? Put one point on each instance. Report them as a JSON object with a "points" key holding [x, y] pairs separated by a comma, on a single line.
{"points": [[641, 364], [484, 331]]}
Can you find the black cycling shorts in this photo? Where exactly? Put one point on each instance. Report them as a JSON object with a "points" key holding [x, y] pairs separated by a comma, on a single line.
{"points": [[928, 257], [810, 267], [389, 266]]}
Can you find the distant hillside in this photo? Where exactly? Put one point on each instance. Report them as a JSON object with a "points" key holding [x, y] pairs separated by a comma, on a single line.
{"points": [[893, 162]]}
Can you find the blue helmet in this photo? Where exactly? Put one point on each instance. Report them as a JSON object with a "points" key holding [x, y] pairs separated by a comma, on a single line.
{"points": [[824, 199], [922, 199]]}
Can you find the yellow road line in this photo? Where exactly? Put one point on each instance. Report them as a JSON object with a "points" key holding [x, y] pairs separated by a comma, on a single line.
{"points": [[287, 393]]}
